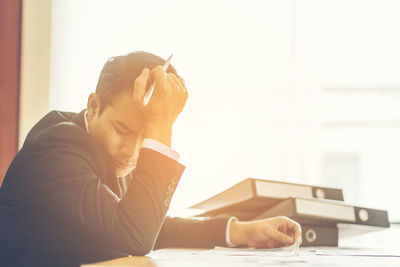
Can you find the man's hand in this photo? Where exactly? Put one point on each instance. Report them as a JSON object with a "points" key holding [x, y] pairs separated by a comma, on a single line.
{"points": [[270, 233], [169, 98]]}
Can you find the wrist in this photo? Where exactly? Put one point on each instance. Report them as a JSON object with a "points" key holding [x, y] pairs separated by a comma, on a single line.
{"points": [[159, 131], [236, 233]]}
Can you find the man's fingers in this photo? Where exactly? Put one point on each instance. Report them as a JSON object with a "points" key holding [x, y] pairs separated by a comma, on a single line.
{"points": [[140, 85], [183, 92], [293, 227], [182, 83], [160, 78], [297, 232], [280, 237]]}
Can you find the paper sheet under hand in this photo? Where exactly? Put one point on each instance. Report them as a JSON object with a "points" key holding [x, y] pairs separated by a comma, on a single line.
{"points": [[231, 257], [263, 256], [289, 254], [292, 250]]}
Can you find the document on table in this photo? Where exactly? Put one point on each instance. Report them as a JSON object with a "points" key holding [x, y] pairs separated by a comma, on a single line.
{"points": [[223, 255], [264, 256], [292, 250], [284, 255]]}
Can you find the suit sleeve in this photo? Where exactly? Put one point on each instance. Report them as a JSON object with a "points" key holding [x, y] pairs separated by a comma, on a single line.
{"points": [[195, 233], [65, 182]]}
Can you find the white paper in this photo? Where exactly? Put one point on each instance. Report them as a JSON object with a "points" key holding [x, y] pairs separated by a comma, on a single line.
{"points": [[222, 255], [249, 257]]}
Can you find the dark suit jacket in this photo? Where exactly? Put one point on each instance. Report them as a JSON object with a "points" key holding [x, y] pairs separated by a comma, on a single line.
{"points": [[62, 205]]}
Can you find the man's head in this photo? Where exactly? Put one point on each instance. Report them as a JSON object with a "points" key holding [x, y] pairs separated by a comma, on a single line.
{"points": [[114, 119]]}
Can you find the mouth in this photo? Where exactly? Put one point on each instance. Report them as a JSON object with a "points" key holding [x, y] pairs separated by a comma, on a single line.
{"points": [[124, 165]]}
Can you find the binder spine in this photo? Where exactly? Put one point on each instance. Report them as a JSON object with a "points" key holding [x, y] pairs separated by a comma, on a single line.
{"points": [[319, 236], [371, 217], [327, 193]]}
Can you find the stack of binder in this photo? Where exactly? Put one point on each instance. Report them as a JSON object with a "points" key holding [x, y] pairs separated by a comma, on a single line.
{"points": [[319, 210]]}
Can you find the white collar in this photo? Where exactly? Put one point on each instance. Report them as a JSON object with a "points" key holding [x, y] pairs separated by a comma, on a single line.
{"points": [[86, 122]]}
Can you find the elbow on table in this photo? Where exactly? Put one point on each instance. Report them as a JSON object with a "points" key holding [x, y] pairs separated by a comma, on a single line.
{"points": [[141, 246], [142, 249], [142, 252]]}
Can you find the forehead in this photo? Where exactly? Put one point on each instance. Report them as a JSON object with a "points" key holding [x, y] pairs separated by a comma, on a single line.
{"points": [[125, 110]]}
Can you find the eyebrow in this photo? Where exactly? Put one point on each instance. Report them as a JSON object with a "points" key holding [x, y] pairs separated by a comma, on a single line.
{"points": [[126, 127]]}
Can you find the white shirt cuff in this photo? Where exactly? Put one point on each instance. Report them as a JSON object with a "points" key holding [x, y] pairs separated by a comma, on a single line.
{"points": [[161, 148], [228, 233]]}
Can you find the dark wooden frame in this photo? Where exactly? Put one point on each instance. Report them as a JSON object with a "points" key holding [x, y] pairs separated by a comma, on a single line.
{"points": [[10, 51]]}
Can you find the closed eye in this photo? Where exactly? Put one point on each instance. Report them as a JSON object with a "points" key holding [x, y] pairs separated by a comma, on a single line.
{"points": [[123, 129]]}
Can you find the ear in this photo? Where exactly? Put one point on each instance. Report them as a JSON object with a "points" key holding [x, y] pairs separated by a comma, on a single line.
{"points": [[93, 106]]}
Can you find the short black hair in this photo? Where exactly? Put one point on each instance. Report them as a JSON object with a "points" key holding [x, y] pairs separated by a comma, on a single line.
{"points": [[120, 72]]}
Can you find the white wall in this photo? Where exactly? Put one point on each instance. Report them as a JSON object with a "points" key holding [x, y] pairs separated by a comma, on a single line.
{"points": [[35, 64]]}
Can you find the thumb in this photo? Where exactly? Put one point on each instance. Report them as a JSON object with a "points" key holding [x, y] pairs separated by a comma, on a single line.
{"points": [[139, 89]]}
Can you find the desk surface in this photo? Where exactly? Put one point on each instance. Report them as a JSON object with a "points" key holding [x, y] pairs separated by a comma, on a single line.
{"points": [[127, 261], [373, 249], [325, 257]]}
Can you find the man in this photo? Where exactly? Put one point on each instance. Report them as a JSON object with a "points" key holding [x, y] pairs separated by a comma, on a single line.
{"points": [[97, 185]]}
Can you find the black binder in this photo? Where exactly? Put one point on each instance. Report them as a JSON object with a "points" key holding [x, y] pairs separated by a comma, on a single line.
{"points": [[252, 196], [314, 235]]}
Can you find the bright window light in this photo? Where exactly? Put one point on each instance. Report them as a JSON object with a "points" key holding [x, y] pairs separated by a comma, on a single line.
{"points": [[304, 91]]}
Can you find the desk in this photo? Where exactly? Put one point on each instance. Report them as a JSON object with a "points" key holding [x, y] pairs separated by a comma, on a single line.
{"points": [[201, 258], [383, 242]]}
